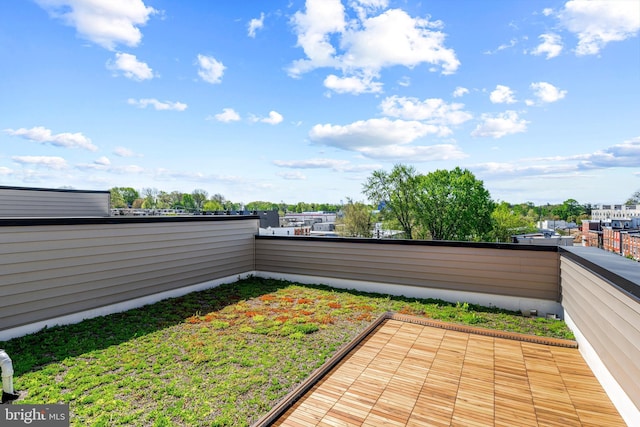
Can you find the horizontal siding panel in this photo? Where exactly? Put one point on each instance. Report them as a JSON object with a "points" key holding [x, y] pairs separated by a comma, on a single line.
{"points": [[608, 319], [404, 260], [455, 271], [520, 273], [149, 268], [47, 237], [413, 252], [601, 294], [43, 310], [427, 280], [78, 257], [54, 270], [161, 278], [31, 203]]}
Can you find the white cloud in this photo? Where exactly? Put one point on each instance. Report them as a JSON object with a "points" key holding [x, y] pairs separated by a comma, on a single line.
{"points": [[273, 119], [599, 22], [103, 161], [353, 84], [363, 8], [324, 163], [499, 125], [292, 176], [547, 11], [395, 38], [551, 46], [405, 81], [361, 46], [158, 105], [211, 70], [44, 135], [4, 171], [104, 22], [432, 110], [313, 29], [255, 24], [525, 167], [460, 91], [125, 152], [502, 95], [131, 67], [49, 162], [385, 139], [227, 115], [504, 46], [546, 92], [626, 154], [318, 163], [100, 164], [129, 169], [420, 153], [372, 132], [373, 4]]}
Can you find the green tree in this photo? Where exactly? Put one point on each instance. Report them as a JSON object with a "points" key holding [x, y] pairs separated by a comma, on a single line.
{"points": [[116, 200], [199, 197], [634, 199], [164, 200], [356, 220], [453, 205], [569, 210], [188, 203], [328, 207], [128, 194], [396, 192], [507, 221], [212, 205], [175, 200], [262, 206], [150, 198], [302, 207]]}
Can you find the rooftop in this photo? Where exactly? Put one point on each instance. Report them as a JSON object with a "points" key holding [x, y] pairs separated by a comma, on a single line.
{"points": [[408, 371], [62, 270]]}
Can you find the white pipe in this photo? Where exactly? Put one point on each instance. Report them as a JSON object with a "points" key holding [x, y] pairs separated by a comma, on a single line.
{"points": [[7, 372]]}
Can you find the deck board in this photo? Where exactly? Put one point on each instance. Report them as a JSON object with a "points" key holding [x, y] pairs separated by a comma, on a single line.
{"points": [[407, 374]]}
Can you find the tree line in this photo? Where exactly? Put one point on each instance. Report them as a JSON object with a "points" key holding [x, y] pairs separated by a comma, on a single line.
{"points": [[200, 201], [441, 205]]}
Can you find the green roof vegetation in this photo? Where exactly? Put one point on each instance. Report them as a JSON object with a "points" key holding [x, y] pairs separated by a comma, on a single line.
{"points": [[221, 357]]}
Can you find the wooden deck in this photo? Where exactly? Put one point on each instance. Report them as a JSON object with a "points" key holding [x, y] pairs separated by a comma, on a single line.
{"points": [[410, 374]]}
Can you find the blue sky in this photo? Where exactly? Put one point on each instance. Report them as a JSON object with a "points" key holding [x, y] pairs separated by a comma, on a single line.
{"points": [[300, 101]]}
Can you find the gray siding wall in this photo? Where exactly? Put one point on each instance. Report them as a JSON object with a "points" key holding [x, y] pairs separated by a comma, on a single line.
{"points": [[609, 319], [26, 202], [483, 268], [54, 270]]}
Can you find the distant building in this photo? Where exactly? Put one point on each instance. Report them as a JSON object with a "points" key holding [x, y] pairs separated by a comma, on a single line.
{"points": [[544, 237], [268, 218], [324, 227], [308, 218], [621, 236], [606, 212], [555, 224], [285, 231], [592, 233]]}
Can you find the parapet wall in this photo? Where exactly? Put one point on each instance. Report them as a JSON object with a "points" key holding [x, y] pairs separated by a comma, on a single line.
{"points": [[56, 267]]}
